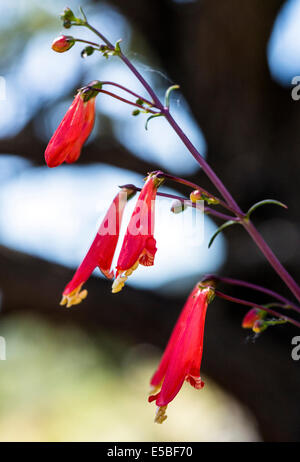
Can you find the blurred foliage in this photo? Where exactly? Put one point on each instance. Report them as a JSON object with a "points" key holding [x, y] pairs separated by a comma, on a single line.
{"points": [[58, 384]]}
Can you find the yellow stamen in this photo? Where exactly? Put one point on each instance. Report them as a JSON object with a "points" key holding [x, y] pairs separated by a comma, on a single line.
{"points": [[74, 298], [160, 416], [155, 389], [119, 282]]}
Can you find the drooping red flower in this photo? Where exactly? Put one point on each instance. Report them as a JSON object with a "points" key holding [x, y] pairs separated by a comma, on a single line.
{"points": [[62, 43], [74, 129], [101, 252], [139, 245], [182, 357]]}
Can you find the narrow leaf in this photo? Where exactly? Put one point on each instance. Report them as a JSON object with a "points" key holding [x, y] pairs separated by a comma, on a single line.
{"points": [[151, 117], [220, 229], [168, 93], [83, 14], [266, 201]]}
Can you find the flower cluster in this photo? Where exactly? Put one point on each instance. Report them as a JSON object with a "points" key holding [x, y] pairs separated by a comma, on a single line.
{"points": [[182, 358]]}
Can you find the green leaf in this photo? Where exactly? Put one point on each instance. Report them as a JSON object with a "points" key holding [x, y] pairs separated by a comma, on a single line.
{"points": [[117, 50], [168, 93], [151, 117], [264, 202], [220, 229], [83, 14]]}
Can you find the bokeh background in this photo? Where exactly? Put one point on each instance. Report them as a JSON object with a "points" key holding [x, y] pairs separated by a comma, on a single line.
{"points": [[82, 374]]}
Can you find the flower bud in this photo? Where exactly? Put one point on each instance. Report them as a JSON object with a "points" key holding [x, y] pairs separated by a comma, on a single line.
{"points": [[62, 43], [196, 195], [87, 51], [259, 326], [68, 15], [200, 195], [252, 317], [178, 206]]}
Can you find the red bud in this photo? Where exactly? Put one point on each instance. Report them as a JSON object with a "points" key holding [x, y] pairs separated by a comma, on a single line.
{"points": [[252, 317], [62, 43]]}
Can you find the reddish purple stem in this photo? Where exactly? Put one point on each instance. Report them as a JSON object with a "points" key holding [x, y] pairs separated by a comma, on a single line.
{"points": [[128, 91], [255, 305], [249, 285], [252, 231], [123, 99], [188, 203]]}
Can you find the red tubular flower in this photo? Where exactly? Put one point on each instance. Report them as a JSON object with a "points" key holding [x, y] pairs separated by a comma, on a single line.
{"points": [[101, 251], [74, 129], [251, 317], [139, 245], [182, 357], [62, 43]]}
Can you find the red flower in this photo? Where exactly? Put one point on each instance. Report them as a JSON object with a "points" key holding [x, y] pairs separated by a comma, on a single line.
{"points": [[62, 43], [139, 245], [74, 129], [101, 251], [182, 357]]}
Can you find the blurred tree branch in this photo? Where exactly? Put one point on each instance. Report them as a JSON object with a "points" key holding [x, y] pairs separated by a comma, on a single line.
{"points": [[136, 316], [217, 53]]}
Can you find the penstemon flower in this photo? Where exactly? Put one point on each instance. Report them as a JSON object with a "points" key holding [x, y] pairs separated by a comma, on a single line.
{"points": [[182, 357], [101, 252], [139, 245], [74, 129]]}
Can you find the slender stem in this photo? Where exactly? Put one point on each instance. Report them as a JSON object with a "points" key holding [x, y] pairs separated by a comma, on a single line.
{"points": [[255, 305], [271, 257], [88, 42], [194, 186], [188, 203], [104, 39], [207, 169], [202, 162], [130, 66], [249, 285], [128, 91], [281, 271], [100, 90]]}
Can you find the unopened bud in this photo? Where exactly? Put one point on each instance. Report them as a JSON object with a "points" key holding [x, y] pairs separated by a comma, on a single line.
{"points": [[87, 51], [178, 206], [68, 18], [196, 195], [62, 43], [199, 195], [68, 15], [252, 317], [259, 326]]}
